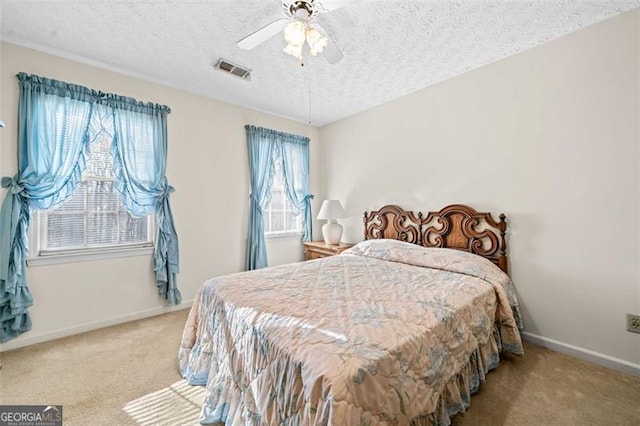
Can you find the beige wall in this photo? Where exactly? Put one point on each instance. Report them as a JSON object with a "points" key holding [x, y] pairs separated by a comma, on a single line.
{"points": [[549, 137], [207, 165]]}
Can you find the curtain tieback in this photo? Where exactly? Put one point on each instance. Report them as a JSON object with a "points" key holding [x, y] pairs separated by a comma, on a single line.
{"points": [[12, 184], [308, 198], [168, 189]]}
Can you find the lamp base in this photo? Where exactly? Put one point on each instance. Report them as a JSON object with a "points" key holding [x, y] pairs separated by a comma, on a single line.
{"points": [[332, 232]]}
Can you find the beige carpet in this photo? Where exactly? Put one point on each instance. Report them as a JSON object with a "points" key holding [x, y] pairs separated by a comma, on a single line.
{"points": [[127, 375]]}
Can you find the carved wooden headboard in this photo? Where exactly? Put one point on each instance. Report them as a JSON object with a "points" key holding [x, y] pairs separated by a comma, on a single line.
{"points": [[456, 226]]}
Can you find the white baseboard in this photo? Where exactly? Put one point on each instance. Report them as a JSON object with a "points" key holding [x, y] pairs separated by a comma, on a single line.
{"points": [[43, 337], [583, 354]]}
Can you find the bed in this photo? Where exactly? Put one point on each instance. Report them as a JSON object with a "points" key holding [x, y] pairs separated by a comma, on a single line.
{"points": [[398, 330]]}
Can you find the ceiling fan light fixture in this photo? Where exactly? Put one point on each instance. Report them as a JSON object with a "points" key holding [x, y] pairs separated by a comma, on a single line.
{"points": [[293, 50], [299, 28], [316, 41], [295, 33]]}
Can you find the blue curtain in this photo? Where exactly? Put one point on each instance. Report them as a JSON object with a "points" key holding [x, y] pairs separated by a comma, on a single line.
{"points": [[52, 153], [139, 152], [53, 141], [295, 168], [265, 147], [262, 148]]}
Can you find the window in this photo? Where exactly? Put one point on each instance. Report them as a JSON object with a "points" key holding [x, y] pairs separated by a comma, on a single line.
{"points": [[280, 218], [93, 220]]}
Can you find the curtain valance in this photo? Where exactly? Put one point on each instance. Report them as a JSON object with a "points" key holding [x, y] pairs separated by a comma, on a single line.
{"points": [[269, 134], [36, 84]]}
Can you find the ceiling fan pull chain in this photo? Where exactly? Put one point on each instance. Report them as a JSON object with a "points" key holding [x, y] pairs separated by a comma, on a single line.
{"points": [[309, 87]]}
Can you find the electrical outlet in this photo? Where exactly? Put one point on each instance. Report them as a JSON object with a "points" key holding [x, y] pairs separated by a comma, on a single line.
{"points": [[633, 323]]}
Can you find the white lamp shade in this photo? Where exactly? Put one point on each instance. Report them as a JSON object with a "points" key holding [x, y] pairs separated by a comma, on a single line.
{"points": [[331, 209]]}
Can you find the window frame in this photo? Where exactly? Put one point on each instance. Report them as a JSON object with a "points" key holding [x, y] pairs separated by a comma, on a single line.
{"points": [[287, 203], [40, 256]]}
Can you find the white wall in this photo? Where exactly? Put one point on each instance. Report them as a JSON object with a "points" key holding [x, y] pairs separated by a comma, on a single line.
{"points": [[207, 165], [549, 137]]}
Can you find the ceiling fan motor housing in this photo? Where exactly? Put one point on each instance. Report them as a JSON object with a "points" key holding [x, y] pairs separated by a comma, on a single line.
{"points": [[301, 9]]}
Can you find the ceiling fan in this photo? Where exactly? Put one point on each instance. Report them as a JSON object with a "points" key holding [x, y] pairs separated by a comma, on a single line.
{"points": [[299, 26]]}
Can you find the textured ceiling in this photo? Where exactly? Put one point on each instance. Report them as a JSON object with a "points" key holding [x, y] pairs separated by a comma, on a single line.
{"points": [[391, 48]]}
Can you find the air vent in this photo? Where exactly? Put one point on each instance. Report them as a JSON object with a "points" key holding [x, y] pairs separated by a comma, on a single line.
{"points": [[231, 68]]}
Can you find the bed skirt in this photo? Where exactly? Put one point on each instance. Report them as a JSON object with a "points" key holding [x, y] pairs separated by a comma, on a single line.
{"points": [[454, 398]]}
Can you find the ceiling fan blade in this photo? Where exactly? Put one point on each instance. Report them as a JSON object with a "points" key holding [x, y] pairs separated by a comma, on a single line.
{"points": [[263, 34], [330, 5], [331, 52]]}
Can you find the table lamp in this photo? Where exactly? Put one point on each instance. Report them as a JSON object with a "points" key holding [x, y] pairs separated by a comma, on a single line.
{"points": [[332, 230]]}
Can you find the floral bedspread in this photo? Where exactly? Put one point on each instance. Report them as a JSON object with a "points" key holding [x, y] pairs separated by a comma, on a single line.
{"points": [[386, 333]]}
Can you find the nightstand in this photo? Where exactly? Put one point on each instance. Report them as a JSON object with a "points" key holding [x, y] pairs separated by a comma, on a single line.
{"points": [[318, 249]]}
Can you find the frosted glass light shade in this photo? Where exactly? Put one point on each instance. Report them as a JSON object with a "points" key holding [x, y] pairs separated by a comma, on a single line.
{"points": [[316, 41], [331, 209], [292, 50], [295, 32]]}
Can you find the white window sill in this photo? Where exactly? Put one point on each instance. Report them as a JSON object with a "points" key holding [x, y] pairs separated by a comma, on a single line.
{"points": [[283, 235], [87, 256]]}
